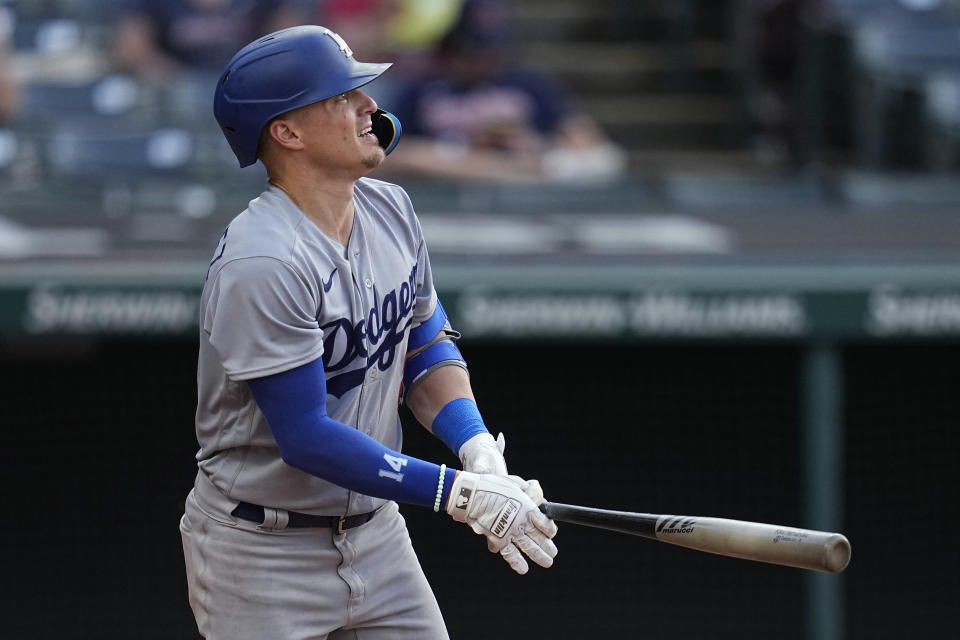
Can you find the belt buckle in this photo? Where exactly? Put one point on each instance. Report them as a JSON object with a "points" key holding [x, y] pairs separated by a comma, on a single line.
{"points": [[340, 529]]}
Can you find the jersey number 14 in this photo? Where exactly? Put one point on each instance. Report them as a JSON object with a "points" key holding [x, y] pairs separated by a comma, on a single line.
{"points": [[397, 464]]}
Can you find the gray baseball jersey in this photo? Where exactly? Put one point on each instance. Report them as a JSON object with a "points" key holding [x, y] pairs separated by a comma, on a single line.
{"points": [[279, 294]]}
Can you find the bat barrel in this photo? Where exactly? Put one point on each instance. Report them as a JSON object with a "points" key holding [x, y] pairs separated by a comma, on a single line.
{"points": [[789, 546]]}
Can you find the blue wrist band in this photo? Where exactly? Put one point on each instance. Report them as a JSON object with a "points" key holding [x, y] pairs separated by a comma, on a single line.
{"points": [[457, 422]]}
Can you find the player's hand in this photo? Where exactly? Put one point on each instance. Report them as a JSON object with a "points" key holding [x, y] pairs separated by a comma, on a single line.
{"points": [[483, 454], [498, 508], [532, 488]]}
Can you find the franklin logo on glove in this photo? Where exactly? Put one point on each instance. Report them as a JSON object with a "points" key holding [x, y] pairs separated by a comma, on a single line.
{"points": [[507, 514]]}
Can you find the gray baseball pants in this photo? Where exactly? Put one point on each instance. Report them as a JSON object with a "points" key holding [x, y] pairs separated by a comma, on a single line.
{"points": [[249, 583]]}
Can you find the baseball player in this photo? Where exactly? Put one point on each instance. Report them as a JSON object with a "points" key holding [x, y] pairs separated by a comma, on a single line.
{"points": [[318, 312]]}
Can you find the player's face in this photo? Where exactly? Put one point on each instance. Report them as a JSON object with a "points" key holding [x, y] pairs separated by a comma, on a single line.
{"points": [[339, 133]]}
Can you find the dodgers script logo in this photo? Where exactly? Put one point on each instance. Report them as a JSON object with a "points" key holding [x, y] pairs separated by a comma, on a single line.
{"points": [[373, 340]]}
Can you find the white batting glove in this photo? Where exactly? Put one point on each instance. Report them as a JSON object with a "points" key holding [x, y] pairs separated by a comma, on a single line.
{"points": [[483, 454], [497, 507], [532, 488]]}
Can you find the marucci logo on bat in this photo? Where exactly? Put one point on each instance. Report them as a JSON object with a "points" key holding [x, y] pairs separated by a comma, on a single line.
{"points": [[674, 524]]}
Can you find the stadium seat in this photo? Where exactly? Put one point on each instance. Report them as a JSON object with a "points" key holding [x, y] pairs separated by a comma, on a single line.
{"points": [[47, 36], [84, 11], [895, 54], [908, 46], [854, 11], [71, 152], [882, 190], [8, 147], [942, 120], [110, 96]]}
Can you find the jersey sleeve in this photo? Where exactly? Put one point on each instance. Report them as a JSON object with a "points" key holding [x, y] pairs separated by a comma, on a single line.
{"points": [[260, 316], [426, 294]]}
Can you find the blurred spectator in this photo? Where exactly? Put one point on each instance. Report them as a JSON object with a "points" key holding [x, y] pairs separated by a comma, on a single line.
{"points": [[768, 42], [362, 23], [156, 39], [474, 116], [10, 90], [404, 32], [375, 27]]}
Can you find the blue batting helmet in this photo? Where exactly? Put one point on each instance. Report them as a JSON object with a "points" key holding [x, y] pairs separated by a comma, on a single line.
{"points": [[281, 72]]}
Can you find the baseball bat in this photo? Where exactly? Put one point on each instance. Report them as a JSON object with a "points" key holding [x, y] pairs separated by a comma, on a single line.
{"points": [[775, 544]]}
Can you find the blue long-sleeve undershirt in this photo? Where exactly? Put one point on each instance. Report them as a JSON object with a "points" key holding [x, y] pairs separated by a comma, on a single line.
{"points": [[294, 404]]}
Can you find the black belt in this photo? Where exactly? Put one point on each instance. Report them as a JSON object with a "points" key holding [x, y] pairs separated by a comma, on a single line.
{"points": [[255, 513]]}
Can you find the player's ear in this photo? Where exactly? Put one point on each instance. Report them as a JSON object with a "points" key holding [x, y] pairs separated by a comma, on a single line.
{"points": [[285, 132]]}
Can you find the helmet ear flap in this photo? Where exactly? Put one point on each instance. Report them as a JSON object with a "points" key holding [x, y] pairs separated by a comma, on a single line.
{"points": [[387, 128]]}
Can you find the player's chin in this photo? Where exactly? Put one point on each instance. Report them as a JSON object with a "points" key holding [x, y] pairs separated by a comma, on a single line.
{"points": [[374, 158]]}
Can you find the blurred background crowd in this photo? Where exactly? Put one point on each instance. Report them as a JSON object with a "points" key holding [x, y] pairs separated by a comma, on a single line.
{"points": [[94, 86], [518, 92]]}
